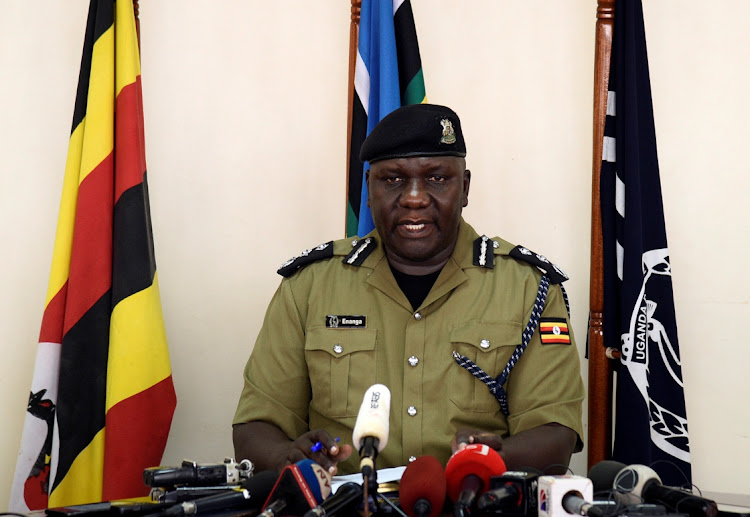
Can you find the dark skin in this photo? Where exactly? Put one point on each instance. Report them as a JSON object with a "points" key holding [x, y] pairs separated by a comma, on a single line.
{"points": [[416, 205]]}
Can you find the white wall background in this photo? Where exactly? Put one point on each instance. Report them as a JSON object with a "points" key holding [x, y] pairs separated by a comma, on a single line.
{"points": [[245, 105]]}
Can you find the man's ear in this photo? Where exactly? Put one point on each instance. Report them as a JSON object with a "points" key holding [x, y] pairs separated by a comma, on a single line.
{"points": [[367, 182], [467, 182]]}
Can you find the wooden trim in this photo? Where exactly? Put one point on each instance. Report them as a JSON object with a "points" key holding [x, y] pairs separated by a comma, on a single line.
{"points": [[600, 369], [356, 9]]}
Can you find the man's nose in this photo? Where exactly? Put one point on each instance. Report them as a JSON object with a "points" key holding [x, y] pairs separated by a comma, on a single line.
{"points": [[414, 195]]}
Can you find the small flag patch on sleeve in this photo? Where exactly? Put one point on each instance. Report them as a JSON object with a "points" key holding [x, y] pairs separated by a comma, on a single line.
{"points": [[554, 331]]}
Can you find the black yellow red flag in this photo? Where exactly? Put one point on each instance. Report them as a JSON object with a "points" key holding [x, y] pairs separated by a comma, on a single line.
{"points": [[102, 396]]}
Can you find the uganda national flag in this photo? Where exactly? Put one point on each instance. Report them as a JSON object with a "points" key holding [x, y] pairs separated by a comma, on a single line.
{"points": [[102, 397], [554, 331], [387, 75], [651, 426]]}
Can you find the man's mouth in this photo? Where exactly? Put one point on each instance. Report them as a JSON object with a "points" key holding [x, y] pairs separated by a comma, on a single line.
{"points": [[414, 228]]}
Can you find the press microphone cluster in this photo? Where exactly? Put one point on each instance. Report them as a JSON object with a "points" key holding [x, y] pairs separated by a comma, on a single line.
{"points": [[639, 483]]}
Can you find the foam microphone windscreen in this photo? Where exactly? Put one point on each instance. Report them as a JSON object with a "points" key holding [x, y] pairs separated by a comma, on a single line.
{"points": [[317, 478], [479, 460], [603, 475], [423, 482], [300, 487], [373, 417]]}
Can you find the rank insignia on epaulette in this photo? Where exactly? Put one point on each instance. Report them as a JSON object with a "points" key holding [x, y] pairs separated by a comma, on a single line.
{"points": [[308, 256], [361, 250], [484, 255], [555, 273], [554, 331]]}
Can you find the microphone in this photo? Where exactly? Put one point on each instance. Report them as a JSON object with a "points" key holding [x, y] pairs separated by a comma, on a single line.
{"points": [[300, 487], [566, 495], [194, 474], [513, 493], [422, 487], [603, 474], [254, 491], [370, 432], [577, 505], [468, 472], [343, 501], [642, 481]]}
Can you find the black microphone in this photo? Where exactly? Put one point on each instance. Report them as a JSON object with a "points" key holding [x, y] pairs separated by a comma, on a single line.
{"points": [[193, 474], [603, 474], [345, 499], [254, 492], [573, 503], [513, 493], [642, 481]]}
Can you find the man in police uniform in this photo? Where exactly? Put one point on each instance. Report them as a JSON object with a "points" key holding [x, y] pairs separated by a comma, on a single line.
{"points": [[471, 334]]}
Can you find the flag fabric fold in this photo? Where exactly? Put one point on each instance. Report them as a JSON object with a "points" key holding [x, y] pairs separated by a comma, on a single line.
{"points": [[388, 75], [102, 395], [639, 315]]}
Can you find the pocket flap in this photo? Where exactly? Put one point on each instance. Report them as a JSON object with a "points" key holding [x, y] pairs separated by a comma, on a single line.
{"points": [[487, 336], [340, 342]]}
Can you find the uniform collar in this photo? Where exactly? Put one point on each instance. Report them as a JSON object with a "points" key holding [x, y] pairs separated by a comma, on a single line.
{"points": [[451, 276]]}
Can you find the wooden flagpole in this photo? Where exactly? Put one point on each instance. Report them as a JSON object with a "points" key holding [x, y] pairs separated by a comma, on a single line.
{"points": [[600, 370]]}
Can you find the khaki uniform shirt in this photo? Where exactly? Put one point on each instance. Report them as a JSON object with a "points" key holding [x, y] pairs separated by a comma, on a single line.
{"points": [[304, 374]]}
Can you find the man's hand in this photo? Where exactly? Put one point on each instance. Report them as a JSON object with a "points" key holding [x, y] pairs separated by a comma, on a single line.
{"points": [[466, 437], [546, 448], [268, 447], [320, 447]]}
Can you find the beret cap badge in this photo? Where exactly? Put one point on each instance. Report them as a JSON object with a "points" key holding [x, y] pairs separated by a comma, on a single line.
{"points": [[415, 130], [449, 136]]}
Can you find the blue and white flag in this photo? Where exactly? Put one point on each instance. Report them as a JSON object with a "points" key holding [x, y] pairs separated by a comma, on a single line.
{"points": [[388, 75], [639, 317]]}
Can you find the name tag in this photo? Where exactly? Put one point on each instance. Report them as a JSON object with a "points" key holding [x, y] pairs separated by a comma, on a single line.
{"points": [[345, 322]]}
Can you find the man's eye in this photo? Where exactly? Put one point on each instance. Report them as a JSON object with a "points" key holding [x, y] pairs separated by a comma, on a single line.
{"points": [[437, 179], [392, 180]]}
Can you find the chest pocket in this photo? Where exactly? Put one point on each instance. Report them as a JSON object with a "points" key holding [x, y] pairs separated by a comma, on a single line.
{"points": [[489, 345], [341, 364]]}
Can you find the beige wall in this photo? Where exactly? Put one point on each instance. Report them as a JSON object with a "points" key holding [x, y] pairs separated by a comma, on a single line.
{"points": [[245, 141]]}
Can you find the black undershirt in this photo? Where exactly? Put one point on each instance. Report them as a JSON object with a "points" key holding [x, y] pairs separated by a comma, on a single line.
{"points": [[415, 287]]}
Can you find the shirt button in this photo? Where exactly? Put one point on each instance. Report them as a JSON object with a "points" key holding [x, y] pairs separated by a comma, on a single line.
{"points": [[412, 411], [417, 315], [413, 361], [338, 348], [485, 343], [412, 458]]}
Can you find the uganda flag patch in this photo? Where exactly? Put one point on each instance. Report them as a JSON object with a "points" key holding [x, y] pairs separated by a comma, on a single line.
{"points": [[554, 331]]}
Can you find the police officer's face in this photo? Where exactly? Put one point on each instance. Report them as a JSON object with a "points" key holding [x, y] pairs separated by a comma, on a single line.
{"points": [[416, 205]]}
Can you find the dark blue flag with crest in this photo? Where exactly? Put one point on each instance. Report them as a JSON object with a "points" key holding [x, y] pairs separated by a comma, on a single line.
{"points": [[639, 317]]}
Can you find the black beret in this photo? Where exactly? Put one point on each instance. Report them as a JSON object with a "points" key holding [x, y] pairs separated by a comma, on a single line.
{"points": [[415, 130]]}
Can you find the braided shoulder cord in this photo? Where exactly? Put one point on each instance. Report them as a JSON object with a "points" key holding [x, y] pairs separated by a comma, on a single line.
{"points": [[496, 385]]}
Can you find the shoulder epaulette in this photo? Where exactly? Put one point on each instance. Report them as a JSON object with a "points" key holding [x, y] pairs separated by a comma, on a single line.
{"points": [[484, 252], [360, 251], [308, 256], [555, 273]]}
